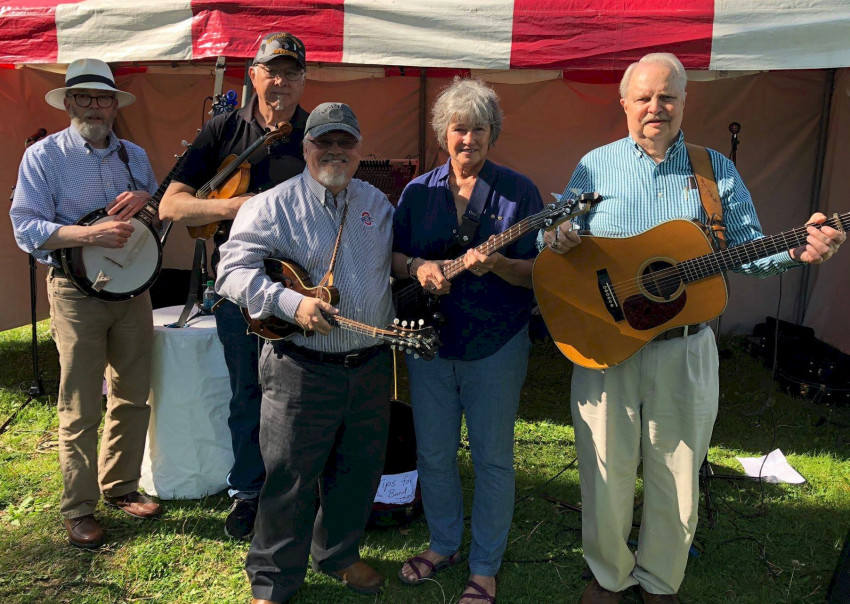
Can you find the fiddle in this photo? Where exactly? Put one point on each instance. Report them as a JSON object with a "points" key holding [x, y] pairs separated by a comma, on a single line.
{"points": [[234, 177]]}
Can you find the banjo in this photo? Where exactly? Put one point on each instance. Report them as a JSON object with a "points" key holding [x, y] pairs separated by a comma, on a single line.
{"points": [[118, 274]]}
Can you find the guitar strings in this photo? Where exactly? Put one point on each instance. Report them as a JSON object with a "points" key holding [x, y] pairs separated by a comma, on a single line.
{"points": [[704, 266]]}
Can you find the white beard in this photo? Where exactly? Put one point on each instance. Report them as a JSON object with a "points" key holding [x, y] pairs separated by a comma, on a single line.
{"points": [[333, 176], [95, 133]]}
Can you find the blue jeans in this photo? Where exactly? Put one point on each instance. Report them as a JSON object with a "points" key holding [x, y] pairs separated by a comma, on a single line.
{"points": [[248, 473], [487, 391]]}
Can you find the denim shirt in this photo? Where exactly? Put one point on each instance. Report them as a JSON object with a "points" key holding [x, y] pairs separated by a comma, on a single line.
{"points": [[482, 313]]}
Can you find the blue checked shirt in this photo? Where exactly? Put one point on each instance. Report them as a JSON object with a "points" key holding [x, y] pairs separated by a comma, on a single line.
{"points": [[639, 194], [62, 178], [298, 221]]}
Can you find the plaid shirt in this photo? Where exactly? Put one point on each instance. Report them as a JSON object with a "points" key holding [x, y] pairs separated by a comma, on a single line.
{"points": [[62, 178], [639, 193]]}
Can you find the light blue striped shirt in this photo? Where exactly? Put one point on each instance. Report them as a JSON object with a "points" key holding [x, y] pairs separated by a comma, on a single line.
{"points": [[62, 178], [297, 221], [639, 193]]}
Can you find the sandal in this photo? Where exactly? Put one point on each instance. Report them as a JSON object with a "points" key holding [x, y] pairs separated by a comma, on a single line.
{"points": [[482, 594], [434, 568]]}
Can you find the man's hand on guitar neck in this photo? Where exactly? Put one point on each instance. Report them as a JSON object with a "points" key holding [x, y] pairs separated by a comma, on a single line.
{"points": [[309, 317], [821, 243], [562, 238]]}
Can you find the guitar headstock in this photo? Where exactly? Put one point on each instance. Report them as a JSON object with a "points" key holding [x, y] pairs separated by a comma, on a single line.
{"points": [[281, 130], [413, 338], [567, 208]]}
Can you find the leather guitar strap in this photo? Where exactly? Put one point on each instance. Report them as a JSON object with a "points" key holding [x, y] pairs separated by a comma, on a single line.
{"points": [[708, 193], [328, 279]]}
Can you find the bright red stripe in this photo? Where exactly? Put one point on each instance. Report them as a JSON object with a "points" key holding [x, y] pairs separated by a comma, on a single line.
{"points": [[28, 31], [233, 28], [610, 34]]}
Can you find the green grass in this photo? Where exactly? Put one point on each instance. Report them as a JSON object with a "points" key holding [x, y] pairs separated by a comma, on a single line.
{"points": [[776, 543]]}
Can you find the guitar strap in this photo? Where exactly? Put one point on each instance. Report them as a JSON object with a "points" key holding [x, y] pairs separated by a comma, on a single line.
{"points": [[708, 193], [483, 190], [328, 279]]}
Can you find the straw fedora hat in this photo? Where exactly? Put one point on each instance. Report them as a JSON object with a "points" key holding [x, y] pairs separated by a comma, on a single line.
{"points": [[88, 74]]}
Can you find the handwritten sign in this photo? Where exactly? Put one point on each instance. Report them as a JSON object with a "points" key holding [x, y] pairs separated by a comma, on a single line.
{"points": [[397, 489]]}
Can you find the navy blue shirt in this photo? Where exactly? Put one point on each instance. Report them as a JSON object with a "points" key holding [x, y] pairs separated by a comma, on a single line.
{"points": [[482, 313]]}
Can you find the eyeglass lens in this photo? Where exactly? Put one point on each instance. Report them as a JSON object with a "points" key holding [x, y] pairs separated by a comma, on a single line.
{"points": [[103, 101], [346, 142], [292, 75]]}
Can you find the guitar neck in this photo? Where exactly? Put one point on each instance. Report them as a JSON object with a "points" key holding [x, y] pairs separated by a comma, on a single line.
{"points": [[361, 328], [151, 210], [455, 267], [735, 257]]}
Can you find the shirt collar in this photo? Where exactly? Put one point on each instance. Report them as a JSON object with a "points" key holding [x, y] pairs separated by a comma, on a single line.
{"points": [[676, 147], [78, 140], [299, 118], [486, 173], [321, 193]]}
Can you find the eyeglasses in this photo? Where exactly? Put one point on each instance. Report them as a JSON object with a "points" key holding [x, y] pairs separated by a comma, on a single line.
{"points": [[103, 100], [324, 143], [293, 75]]}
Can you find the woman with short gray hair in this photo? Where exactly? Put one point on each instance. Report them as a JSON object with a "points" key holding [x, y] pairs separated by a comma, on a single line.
{"points": [[481, 366]]}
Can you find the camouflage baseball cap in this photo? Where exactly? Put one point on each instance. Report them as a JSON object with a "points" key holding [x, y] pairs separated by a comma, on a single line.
{"points": [[281, 44]]}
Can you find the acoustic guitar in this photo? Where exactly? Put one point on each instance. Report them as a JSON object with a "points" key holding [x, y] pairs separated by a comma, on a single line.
{"points": [[607, 298], [412, 300], [233, 177], [403, 336]]}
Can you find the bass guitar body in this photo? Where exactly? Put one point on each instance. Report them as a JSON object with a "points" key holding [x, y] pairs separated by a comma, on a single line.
{"points": [[115, 274], [608, 297]]}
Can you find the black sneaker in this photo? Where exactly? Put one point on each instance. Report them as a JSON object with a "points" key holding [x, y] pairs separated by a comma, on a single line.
{"points": [[240, 521]]}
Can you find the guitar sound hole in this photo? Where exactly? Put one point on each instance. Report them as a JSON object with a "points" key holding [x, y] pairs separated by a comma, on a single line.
{"points": [[660, 280]]}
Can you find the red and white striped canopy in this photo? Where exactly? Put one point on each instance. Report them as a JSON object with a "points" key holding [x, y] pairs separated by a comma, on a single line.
{"points": [[478, 34]]}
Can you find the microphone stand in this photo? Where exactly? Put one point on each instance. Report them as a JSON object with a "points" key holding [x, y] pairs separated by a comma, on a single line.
{"points": [[706, 472]]}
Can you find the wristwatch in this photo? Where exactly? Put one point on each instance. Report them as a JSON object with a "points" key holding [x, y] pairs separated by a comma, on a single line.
{"points": [[408, 264]]}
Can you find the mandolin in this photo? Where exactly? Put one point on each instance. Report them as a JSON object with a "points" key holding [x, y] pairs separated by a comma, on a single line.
{"points": [[417, 340], [607, 298], [234, 177]]}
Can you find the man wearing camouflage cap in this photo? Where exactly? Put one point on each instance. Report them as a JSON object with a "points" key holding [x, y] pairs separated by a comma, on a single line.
{"points": [[278, 76]]}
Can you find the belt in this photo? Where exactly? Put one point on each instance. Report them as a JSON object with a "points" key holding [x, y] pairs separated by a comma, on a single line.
{"points": [[678, 332], [351, 359]]}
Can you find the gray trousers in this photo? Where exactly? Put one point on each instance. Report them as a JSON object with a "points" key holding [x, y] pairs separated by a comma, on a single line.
{"points": [[318, 422]]}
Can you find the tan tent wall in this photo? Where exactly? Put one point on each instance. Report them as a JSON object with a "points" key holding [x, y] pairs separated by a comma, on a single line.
{"points": [[548, 126]]}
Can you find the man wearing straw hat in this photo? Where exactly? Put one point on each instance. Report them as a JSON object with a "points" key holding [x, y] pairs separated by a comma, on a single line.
{"points": [[61, 179]]}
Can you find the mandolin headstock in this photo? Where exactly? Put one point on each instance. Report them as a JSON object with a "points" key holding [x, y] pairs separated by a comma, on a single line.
{"points": [[412, 338]]}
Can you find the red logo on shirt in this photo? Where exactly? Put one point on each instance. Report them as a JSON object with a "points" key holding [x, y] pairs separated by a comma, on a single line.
{"points": [[366, 219]]}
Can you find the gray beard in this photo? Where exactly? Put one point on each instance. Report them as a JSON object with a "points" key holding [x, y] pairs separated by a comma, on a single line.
{"points": [[331, 178], [94, 133]]}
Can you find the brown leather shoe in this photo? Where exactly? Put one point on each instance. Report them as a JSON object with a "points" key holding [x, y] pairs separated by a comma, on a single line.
{"points": [[594, 593], [649, 598], [359, 577], [135, 504], [84, 532]]}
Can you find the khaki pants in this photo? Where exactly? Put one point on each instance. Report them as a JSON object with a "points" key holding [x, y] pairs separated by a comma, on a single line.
{"points": [[94, 337], [658, 408]]}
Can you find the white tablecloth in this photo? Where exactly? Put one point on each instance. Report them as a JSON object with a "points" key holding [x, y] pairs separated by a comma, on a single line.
{"points": [[188, 453]]}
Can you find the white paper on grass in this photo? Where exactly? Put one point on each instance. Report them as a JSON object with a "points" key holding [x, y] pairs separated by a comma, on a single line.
{"points": [[775, 469], [397, 489]]}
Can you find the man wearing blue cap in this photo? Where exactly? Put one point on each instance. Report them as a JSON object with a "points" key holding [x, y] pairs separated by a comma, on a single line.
{"points": [[278, 76], [325, 404]]}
